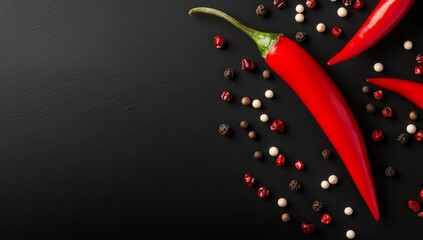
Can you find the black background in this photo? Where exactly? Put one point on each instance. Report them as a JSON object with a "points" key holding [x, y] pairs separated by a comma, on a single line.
{"points": [[109, 113]]}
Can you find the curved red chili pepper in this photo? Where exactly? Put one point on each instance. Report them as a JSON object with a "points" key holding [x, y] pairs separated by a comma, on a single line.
{"points": [[380, 22], [321, 97], [413, 91]]}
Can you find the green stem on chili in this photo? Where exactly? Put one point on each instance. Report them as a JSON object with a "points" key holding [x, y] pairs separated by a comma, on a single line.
{"points": [[307, 78]]}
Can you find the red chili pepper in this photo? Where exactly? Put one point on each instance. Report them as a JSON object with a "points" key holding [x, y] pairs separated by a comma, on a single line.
{"points": [[380, 22], [320, 95], [413, 91]]}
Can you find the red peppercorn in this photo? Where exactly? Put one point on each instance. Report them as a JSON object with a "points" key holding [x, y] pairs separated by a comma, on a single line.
{"points": [[419, 135], [280, 3], [299, 165], [307, 227], [311, 3], [263, 192], [418, 70], [326, 218], [359, 4], [219, 42], [277, 125], [280, 160], [414, 205], [377, 135], [247, 64], [421, 194], [387, 112], [249, 180], [336, 31], [347, 3], [419, 58], [226, 96], [420, 214], [378, 94]]}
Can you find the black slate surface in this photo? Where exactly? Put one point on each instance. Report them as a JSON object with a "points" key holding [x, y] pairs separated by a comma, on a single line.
{"points": [[109, 113]]}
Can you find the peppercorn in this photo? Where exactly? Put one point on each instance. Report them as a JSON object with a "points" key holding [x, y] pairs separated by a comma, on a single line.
{"points": [[413, 115], [403, 138], [366, 89], [301, 36], [370, 108], [390, 172], [224, 129], [229, 73], [294, 185], [245, 101], [326, 154], [244, 124], [286, 217], [252, 134], [266, 74], [258, 155], [261, 10], [317, 206]]}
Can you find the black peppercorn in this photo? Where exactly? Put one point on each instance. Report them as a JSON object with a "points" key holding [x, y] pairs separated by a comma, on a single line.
{"points": [[300, 36], [366, 89], [403, 138], [317, 206], [326, 154], [370, 108], [229, 73], [294, 185], [244, 124], [390, 172], [258, 155], [224, 129], [261, 10]]}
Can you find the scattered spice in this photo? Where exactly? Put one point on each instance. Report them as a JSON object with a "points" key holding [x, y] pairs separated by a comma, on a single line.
{"points": [[311, 3], [219, 42], [418, 70], [347, 3], [307, 228], [377, 135], [299, 165], [282, 202], [326, 218], [413, 115], [245, 101], [226, 96], [277, 126], [421, 194], [244, 124], [256, 103], [247, 65], [300, 36], [252, 134], [286, 217], [378, 67], [263, 192], [262, 10], [266, 74], [229, 73], [387, 112], [359, 4], [419, 58], [403, 138], [258, 155], [419, 135], [326, 154], [317, 206], [249, 180], [414, 205], [378, 94], [366, 89], [411, 128], [370, 108], [280, 160], [224, 129], [390, 171], [294, 185], [336, 32], [280, 3]]}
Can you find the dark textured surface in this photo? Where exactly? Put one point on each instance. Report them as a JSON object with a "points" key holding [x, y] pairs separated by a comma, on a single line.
{"points": [[109, 113]]}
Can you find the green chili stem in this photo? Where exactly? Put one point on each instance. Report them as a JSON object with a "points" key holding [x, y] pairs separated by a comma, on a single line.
{"points": [[265, 41]]}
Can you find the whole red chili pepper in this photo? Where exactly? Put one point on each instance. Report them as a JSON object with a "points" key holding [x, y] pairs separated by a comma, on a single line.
{"points": [[413, 91], [380, 22], [321, 97]]}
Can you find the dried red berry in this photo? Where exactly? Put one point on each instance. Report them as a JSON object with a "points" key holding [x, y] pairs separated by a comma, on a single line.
{"points": [[387, 112], [307, 227], [378, 94], [226, 96], [219, 42], [299, 165], [414, 205], [247, 64], [326, 218], [336, 32], [419, 58], [311, 3], [249, 180], [347, 3], [359, 4], [377, 135], [280, 160], [418, 70], [419, 135], [263, 192], [420, 214], [280, 3], [421, 194], [277, 126]]}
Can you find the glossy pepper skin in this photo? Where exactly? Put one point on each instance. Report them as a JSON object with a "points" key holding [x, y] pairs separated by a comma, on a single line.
{"points": [[413, 91], [321, 97], [384, 17]]}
